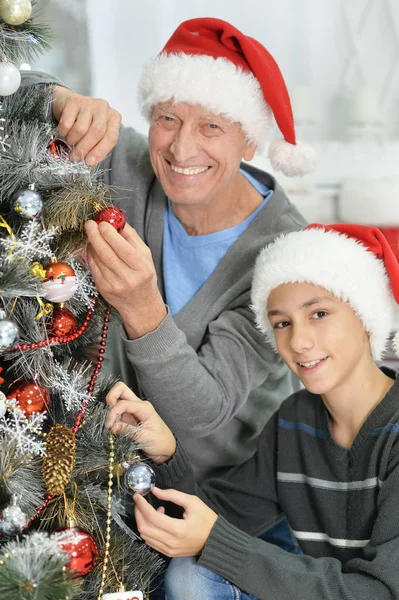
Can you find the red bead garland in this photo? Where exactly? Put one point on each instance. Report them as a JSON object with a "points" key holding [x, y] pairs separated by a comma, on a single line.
{"points": [[38, 511], [61, 339], [80, 416]]}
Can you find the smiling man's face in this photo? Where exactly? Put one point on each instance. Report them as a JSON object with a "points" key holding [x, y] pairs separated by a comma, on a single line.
{"points": [[195, 154]]}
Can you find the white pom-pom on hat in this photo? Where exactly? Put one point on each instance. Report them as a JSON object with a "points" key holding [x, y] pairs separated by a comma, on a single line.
{"points": [[293, 160]]}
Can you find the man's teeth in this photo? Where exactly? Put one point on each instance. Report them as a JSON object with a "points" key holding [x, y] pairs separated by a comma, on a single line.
{"points": [[189, 170], [313, 363]]}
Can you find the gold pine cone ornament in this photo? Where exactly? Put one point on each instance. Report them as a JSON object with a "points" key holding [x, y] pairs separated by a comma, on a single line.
{"points": [[59, 460]]}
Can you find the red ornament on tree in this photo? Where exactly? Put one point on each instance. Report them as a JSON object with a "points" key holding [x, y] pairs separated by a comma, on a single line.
{"points": [[30, 396], [80, 546], [63, 322], [59, 148], [112, 215], [58, 270]]}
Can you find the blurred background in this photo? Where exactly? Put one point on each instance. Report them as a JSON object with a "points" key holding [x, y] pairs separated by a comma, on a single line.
{"points": [[340, 60]]}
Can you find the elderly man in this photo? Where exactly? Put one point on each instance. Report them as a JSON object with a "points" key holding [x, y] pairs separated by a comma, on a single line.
{"points": [[181, 278]]}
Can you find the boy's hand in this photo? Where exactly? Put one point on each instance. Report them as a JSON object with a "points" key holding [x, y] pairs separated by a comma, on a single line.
{"points": [[159, 443], [174, 537], [90, 125]]}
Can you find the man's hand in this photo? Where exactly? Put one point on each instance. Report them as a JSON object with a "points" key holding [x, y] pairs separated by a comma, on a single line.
{"points": [[128, 411], [174, 537], [124, 274], [89, 125]]}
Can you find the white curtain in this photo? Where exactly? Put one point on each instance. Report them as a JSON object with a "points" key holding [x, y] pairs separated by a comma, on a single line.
{"points": [[332, 47]]}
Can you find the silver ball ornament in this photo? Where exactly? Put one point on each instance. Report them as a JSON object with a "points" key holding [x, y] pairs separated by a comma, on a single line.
{"points": [[9, 332], [15, 12], [140, 478], [13, 519], [28, 204], [10, 79]]}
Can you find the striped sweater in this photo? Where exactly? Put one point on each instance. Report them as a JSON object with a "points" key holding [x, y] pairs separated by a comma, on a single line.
{"points": [[343, 506]]}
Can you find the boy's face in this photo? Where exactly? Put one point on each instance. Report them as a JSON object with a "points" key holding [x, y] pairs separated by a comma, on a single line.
{"points": [[319, 337]]}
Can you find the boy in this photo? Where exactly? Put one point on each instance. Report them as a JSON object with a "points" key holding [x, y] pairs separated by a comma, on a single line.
{"points": [[328, 459]]}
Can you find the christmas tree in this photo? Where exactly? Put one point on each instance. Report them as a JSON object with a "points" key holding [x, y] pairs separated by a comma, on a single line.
{"points": [[64, 505]]}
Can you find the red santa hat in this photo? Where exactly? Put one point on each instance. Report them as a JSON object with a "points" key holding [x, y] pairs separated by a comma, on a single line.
{"points": [[211, 63], [353, 262]]}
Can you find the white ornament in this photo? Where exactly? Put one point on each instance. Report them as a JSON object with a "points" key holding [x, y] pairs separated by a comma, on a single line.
{"points": [[123, 596], [25, 432], [32, 244], [10, 79], [15, 12], [85, 283], [69, 384], [60, 290]]}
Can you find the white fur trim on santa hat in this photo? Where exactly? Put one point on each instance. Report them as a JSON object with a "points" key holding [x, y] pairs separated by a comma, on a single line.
{"points": [[292, 160], [336, 263], [215, 83]]}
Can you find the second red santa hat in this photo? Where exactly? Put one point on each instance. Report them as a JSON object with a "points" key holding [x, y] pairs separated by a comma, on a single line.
{"points": [[353, 262]]}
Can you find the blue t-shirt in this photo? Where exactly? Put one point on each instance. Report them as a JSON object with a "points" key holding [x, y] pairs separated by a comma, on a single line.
{"points": [[189, 260]]}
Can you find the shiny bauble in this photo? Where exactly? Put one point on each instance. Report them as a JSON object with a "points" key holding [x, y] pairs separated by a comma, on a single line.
{"points": [[140, 478], [10, 79], [63, 322], [15, 12], [13, 519], [59, 148], [112, 215], [80, 547], [30, 396], [28, 204], [60, 282], [9, 333]]}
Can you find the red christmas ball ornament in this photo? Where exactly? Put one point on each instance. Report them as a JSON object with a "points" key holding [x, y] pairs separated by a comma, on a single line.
{"points": [[57, 270], [30, 396], [81, 548], [59, 148], [63, 322], [112, 215]]}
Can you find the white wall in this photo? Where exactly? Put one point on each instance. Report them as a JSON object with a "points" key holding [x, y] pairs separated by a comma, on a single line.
{"points": [[333, 46]]}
